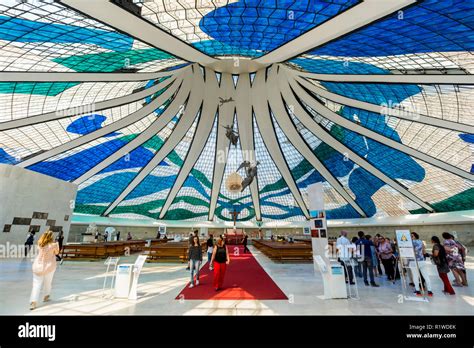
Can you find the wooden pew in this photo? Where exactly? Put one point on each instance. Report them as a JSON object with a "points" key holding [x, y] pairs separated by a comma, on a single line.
{"points": [[95, 251], [285, 252], [170, 252]]}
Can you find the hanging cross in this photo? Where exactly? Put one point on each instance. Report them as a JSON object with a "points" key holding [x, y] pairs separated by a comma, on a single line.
{"points": [[234, 214]]}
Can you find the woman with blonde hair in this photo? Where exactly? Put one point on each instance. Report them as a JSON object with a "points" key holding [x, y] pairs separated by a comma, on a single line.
{"points": [[44, 267]]}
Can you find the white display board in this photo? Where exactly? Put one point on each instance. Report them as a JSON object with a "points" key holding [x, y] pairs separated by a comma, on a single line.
{"points": [[123, 280], [331, 271], [137, 268], [407, 261]]}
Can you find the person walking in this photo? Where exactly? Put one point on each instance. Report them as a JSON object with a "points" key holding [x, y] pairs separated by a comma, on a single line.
{"points": [[44, 267], [118, 236], [195, 259], [219, 261], [386, 255], [106, 236], [210, 248], [30, 239], [129, 236], [244, 242], [60, 240], [420, 252], [190, 241], [456, 265], [441, 262]]}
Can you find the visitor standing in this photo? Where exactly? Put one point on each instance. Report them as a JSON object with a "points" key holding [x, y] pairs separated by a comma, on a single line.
{"points": [[219, 261], [106, 236], [30, 239], [195, 259], [118, 235], [356, 256], [44, 267], [344, 253], [378, 238], [386, 255], [365, 243], [210, 248], [96, 237], [360, 235], [244, 242], [129, 236], [375, 258], [441, 262], [456, 265], [420, 252]]}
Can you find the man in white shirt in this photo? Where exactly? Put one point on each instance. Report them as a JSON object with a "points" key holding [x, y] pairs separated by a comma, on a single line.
{"points": [[345, 251]]}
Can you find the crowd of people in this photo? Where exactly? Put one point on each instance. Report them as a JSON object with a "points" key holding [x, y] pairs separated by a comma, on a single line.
{"points": [[368, 257]]}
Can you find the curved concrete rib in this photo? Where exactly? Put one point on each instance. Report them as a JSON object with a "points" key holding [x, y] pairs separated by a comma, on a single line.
{"points": [[348, 21], [124, 122], [417, 79], [73, 111], [265, 127], [113, 15], [385, 110], [184, 124], [156, 126], [225, 118], [201, 136], [278, 89], [32, 76], [306, 119], [246, 131], [332, 116]]}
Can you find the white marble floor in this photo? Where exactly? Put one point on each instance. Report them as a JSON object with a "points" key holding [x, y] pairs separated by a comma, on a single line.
{"points": [[77, 291]]}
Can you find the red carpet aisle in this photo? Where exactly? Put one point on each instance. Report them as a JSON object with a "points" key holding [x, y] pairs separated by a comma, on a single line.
{"points": [[245, 279]]}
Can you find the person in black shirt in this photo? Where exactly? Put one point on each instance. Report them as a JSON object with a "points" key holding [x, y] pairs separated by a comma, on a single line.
{"points": [[219, 261], [210, 247], [29, 242], [60, 240], [195, 259], [244, 242]]}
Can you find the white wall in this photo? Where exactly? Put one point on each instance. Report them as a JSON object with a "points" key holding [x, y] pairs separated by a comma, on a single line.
{"points": [[23, 192]]}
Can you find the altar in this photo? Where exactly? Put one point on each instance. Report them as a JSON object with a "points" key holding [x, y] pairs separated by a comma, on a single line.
{"points": [[234, 236]]}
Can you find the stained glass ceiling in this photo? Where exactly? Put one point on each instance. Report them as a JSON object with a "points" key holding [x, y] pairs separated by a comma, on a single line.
{"points": [[129, 101]]}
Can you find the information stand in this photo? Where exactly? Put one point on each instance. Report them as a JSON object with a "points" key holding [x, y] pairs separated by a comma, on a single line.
{"points": [[408, 263], [123, 280], [137, 268], [110, 262]]}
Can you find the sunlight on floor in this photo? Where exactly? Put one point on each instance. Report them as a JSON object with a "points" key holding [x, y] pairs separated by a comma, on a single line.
{"points": [[229, 307], [99, 302]]}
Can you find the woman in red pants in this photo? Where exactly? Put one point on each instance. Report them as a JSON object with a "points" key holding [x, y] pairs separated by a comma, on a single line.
{"points": [[219, 261], [441, 262]]}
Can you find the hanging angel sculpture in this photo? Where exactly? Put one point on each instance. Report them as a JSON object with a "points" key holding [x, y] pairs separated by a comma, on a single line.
{"points": [[232, 135], [250, 171]]}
